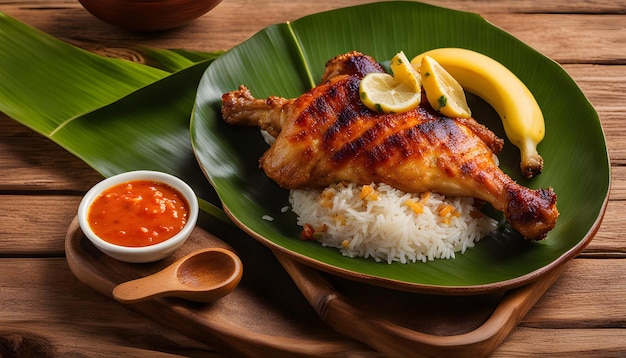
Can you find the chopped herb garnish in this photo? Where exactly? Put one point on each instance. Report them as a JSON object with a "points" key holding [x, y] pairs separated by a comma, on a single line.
{"points": [[442, 102]]}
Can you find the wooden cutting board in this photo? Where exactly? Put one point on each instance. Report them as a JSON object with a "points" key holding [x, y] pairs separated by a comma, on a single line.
{"points": [[284, 308]]}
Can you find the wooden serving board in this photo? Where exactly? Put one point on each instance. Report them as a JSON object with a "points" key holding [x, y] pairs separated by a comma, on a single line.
{"points": [[319, 315], [264, 316]]}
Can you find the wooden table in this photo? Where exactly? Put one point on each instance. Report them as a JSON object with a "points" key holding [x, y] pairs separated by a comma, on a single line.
{"points": [[45, 309]]}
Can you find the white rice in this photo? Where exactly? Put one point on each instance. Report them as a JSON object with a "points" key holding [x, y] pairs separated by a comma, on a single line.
{"points": [[389, 225]]}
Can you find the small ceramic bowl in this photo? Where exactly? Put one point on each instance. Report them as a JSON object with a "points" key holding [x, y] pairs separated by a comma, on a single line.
{"points": [[142, 253], [153, 15]]}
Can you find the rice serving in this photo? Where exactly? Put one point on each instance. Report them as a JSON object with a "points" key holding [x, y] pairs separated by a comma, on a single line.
{"points": [[386, 224]]}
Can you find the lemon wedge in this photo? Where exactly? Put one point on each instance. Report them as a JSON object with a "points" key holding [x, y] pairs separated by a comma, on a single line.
{"points": [[381, 92], [443, 92], [404, 72], [399, 93]]}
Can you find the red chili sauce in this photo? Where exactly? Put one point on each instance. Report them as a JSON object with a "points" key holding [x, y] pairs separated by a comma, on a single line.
{"points": [[138, 213]]}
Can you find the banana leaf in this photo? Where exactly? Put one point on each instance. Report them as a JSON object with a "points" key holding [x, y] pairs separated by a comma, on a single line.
{"points": [[47, 82], [288, 59], [172, 60], [114, 114]]}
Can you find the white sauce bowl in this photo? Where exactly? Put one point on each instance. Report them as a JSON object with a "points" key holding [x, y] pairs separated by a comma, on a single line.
{"points": [[144, 253]]}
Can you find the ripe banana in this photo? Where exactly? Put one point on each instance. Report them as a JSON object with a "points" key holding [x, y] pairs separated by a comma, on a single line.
{"points": [[515, 104]]}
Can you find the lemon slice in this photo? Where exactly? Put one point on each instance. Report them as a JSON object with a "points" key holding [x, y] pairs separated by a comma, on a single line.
{"points": [[399, 93], [443, 92], [404, 72], [381, 92]]}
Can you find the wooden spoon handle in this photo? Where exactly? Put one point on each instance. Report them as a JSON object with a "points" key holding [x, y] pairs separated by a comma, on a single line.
{"points": [[139, 290]]}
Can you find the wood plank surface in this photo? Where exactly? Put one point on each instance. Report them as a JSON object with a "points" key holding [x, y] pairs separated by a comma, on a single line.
{"points": [[96, 320], [46, 311], [565, 343], [94, 325], [546, 26]]}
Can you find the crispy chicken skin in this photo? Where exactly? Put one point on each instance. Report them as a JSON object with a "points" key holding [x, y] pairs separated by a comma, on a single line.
{"points": [[351, 63], [328, 136]]}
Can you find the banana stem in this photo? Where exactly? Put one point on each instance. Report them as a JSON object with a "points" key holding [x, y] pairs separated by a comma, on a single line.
{"points": [[531, 162]]}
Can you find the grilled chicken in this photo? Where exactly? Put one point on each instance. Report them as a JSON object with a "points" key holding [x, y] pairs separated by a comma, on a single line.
{"points": [[327, 136]]}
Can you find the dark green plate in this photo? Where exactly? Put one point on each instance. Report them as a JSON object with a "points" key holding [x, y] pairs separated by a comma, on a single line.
{"points": [[288, 59]]}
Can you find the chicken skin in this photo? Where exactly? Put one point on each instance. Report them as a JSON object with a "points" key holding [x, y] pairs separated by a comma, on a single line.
{"points": [[328, 136]]}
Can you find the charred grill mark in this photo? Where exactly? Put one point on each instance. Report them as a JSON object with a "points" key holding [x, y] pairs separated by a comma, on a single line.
{"points": [[345, 118], [352, 87], [320, 104], [377, 154], [378, 143], [473, 170], [468, 168], [402, 143], [353, 63], [445, 133], [394, 145], [532, 208], [361, 66], [349, 150], [350, 111], [314, 115], [333, 92], [390, 140]]}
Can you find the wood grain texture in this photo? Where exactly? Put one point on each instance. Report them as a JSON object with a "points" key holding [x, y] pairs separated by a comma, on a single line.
{"points": [[36, 220], [589, 283], [563, 343], [97, 320], [45, 309], [93, 324], [546, 26], [32, 162]]}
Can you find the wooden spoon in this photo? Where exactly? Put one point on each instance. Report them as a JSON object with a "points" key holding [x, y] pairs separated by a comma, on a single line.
{"points": [[202, 276]]}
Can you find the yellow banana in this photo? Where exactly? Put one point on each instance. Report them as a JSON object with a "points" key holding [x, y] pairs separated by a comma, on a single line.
{"points": [[487, 78]]}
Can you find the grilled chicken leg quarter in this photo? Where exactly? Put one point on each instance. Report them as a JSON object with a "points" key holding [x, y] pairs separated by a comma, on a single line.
{"points": [[327, 136]]}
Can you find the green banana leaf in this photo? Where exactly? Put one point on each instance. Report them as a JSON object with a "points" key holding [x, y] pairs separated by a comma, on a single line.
{"points": [[288, 59], [114, 114], [49, 82]]}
